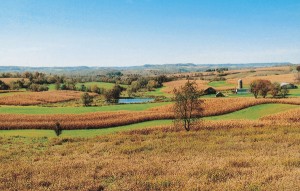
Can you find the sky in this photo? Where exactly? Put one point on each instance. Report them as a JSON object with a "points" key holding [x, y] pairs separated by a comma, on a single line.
{"points": [[138, 32]]}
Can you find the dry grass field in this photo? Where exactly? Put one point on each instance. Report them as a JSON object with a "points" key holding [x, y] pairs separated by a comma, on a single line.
{"points": [[212, 157]]}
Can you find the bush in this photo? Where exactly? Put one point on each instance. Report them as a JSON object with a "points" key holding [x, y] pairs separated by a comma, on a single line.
{"points": [[38, 88], [87, 100], [58, 129]]}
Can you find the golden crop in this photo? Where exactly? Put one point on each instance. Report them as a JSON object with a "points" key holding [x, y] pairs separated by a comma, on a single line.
{"points": [[289, 116], [290, 78], [35, 98], [201, 85], [94, 120]]}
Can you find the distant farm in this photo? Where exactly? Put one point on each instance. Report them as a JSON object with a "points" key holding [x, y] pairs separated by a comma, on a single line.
{"points": [[246, 126]]}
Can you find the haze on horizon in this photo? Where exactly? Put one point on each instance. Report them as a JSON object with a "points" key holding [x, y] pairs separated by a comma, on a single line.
{"points": [[138, 32]]}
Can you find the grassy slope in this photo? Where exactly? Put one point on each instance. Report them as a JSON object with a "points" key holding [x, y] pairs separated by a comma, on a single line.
{"points": [[82, 133], [255, 112], [74, 110], [157, 92]]}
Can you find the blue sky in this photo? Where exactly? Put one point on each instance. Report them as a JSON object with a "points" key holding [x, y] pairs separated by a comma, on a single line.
{"points": [[137, 32]]}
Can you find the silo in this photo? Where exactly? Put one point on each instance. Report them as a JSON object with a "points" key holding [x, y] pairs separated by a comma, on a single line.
{"points": [[240, 84]]}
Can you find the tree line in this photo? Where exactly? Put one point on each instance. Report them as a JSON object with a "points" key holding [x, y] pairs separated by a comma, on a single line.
{"points": [[265, 87]]}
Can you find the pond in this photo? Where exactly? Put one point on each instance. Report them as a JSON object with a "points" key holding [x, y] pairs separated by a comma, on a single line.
{"points": [[135, 100]]}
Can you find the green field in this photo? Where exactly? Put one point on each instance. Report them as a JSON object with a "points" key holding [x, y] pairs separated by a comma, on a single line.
{"points": [[104, 85], [83, 133], [294, 92], [75, 110], [255, 112], [157, 92]]}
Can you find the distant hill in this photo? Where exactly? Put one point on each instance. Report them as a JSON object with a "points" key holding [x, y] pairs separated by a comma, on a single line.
{"points": [[147, 68]]}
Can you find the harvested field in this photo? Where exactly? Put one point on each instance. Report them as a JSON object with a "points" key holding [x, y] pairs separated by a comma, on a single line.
{"points": [[202, 85], [36, 98], [221, 106], [8, 80], [290, 78]]}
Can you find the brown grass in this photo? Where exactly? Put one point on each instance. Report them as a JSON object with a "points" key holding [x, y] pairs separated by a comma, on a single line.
{"points": [[249, 158]]}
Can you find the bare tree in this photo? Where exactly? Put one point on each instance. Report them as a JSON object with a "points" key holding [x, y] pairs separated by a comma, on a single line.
{"points": [[187, 107]]}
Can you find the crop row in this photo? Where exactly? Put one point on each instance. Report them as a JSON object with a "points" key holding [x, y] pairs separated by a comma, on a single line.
{"points": [[289, 116], [220, 106], [35, 98], [111, 119]]}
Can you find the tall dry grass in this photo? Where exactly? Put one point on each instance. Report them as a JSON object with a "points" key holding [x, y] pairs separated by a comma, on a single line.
{"points": [[248, 158]]}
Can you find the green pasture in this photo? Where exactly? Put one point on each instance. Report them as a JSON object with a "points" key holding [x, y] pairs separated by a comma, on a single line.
{"points": [[294, 92], [77, 110], [157, 92], [82, 133], [255, 112], [104, 85]]}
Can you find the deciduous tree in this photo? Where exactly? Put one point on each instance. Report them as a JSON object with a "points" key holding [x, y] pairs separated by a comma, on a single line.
{"points": [[187, 105]]}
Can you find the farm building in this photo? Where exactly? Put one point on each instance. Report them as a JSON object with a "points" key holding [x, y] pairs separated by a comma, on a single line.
{"points": [[210, 90], [241, 91], [288, 85], [219, 94]]}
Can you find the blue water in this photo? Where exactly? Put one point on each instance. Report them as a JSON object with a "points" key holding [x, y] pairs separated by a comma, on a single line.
{"points": [[135, 100]]}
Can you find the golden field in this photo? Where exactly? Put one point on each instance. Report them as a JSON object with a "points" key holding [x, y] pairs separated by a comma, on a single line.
{"points": [[248, 158], [36, 98], [290, 78]]}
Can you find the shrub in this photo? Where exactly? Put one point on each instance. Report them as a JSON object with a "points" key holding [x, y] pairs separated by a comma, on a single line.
{"points": [[58, 129], [87, 100]]}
